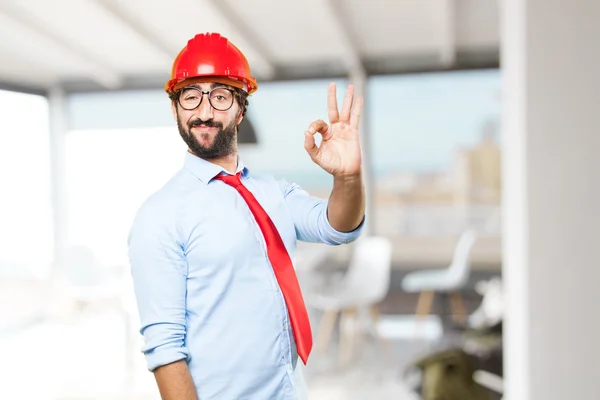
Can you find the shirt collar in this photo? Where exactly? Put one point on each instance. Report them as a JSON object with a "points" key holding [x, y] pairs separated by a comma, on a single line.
{"points": [[205, 170]]}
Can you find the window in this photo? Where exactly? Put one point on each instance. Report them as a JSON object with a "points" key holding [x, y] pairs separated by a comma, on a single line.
{"points": [[281, 113], [436, 152], [109, 174], [26, 237]]}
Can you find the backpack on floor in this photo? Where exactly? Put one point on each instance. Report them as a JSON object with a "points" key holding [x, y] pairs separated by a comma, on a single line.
{"points": [[448, 375]]}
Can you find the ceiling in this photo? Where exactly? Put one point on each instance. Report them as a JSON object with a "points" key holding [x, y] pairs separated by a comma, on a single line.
{"points": [[85, 45]]}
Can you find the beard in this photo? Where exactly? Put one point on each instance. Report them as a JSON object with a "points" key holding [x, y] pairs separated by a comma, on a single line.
{"points": [[224, 143]]}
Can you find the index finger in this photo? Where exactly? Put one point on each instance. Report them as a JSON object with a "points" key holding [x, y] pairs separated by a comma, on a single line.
{"points": [[318, 126], [332, 107]]}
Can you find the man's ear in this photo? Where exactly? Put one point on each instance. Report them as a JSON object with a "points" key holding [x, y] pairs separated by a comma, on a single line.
{"points": [[174, 109], [240, 118]]}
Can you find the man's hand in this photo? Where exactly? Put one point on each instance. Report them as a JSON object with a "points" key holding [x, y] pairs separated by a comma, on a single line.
{"points": [[339, 152]]}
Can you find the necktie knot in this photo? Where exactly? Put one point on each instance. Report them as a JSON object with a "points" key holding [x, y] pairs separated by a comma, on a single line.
{"points": [[231, 180]]}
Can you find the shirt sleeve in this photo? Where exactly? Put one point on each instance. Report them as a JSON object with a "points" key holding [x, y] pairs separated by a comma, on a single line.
{"points": [[159, 273], [310, 218]]}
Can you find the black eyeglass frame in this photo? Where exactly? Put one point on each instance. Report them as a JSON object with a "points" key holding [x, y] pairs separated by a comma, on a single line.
{"points": [[207, 92]]}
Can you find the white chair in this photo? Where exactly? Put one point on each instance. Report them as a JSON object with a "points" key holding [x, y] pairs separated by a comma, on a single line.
{"points": [[449, 280], [365, 284]]}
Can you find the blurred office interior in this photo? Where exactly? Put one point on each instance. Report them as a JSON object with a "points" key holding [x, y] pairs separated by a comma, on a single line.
{"points": [[479, 137]]}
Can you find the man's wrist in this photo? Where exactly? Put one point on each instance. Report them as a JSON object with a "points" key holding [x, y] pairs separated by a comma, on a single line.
{"points": [[348, 178]]}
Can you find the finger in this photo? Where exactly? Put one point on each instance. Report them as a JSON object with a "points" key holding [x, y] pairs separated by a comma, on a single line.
{"points": [[347, 105], [309, 144], [318, 126], [321, 127], [356, 112], [332, 108]]}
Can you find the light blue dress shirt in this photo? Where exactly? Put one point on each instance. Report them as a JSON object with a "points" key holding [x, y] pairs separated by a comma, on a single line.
{"points": [[205, 289]]}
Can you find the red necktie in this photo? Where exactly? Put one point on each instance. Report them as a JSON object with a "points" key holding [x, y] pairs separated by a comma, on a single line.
{"points": [[282, 266]]}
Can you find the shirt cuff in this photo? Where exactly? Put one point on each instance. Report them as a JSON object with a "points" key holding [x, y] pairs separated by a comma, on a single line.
{"points": [[159, 357], [338, 237]]}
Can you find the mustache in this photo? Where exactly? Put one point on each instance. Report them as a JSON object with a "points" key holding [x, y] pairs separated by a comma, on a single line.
{"points": [[208, 123]]}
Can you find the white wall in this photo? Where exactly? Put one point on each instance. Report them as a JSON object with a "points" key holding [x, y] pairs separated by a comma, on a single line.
{"points": [[551, 92]]}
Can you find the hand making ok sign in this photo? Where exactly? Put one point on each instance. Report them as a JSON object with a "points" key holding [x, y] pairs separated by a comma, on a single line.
{"points": [[339, 152]]}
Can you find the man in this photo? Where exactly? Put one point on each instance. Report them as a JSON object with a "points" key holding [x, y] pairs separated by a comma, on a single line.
{"points": [[221, 310]]}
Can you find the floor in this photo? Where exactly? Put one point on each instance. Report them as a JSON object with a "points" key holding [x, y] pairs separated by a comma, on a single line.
{"points": [[83, 359], [82, 356]]}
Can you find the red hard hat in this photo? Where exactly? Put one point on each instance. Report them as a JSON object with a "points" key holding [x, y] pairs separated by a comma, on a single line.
{"points": [[212, 56]]}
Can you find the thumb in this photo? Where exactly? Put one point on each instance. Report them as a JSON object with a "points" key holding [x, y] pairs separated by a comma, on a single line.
{"points": [[310, 145]]}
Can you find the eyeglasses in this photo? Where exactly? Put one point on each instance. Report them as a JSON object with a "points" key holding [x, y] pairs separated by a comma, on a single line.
{"points": [[220, 98]]}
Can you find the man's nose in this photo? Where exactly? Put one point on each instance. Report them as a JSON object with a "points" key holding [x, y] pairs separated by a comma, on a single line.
{"points": [[205, 110]]}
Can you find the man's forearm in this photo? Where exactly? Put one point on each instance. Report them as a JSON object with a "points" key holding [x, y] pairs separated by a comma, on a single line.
{"points": [[175, 382], [346, 207]]}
